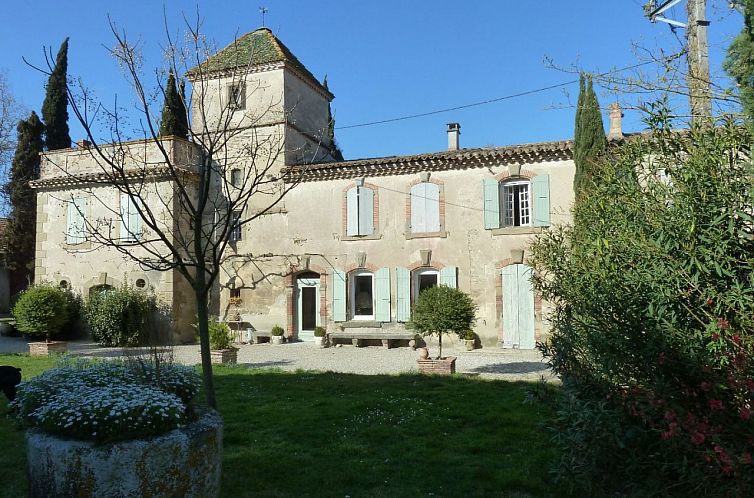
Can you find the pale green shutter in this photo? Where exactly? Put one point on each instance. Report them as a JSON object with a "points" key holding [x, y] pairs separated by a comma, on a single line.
{"points": [[432, 207], [366, 211], [510, 306], [71, 224], [124, 216], [491, 204], [76, 222], [134, 219], [418, 208], [352, 212], [448, 276], [403, 294], [541, 190], [338, 296], [525, 307], [382, 297]]}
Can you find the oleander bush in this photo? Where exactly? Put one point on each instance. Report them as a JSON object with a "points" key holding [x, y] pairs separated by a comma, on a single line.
{"points": [[43, 311], [120, 317], [653, 328], [108, 401]]}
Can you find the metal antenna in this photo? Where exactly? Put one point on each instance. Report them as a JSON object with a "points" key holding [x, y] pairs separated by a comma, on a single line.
{"points": [[263, 11]]}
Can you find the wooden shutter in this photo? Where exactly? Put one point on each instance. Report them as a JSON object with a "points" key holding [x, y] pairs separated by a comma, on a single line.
{"points": [[491, 204], [403, 294], [418, 208], [448, 276], [518, 307], [510, 307], [76, 223], [540, 186], [432, 207], [352, 212], [130, 227], [338, 296], [382, 295], [366, 211]]}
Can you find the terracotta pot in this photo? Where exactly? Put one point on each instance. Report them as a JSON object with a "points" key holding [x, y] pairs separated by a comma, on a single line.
{"points": [[423, 353]]}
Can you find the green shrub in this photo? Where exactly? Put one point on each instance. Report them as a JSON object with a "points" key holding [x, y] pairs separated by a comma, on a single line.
{"points": [[319, 332], [220, 336], [468, 335], [440, 310], [120, 317], [72, 328], [277, 331], [652, 329], [42, 311]]}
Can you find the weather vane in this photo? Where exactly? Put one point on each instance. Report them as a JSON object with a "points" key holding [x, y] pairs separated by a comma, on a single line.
{"points": [[263, 11]]}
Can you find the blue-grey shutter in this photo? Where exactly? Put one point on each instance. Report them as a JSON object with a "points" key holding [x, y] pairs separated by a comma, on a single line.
{"points": [[448, 276], [382, 295], [338, 296], [403, 294], [525, 307], [541, 190], [432, 207], [491, 204], [76, 222], [510, 307], [134, 219], [352, 212], [418, 208], [125, 219], [366, 211]]}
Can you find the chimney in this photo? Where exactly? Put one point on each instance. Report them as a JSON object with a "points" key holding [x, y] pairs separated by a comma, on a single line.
{"points": [[616, 127], [83, 144], [454, 134]]}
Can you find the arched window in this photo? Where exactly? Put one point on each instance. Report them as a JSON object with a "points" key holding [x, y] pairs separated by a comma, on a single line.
{"points": [[425, 208], [361, 294], [515, 203], [423, 278], [235, 177]]}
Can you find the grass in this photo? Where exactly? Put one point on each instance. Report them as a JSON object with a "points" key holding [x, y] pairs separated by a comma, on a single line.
{"points": [[326, 434]]}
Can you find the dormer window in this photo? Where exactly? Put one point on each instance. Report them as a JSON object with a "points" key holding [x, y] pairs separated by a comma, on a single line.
{"points": [[237, 96]]}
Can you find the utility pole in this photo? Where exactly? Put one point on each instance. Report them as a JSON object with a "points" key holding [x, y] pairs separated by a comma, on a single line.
{"points": [[698, 78]]}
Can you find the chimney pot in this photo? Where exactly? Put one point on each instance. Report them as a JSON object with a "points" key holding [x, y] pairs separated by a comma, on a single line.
{"points": [[616, 122], [454, 134]]}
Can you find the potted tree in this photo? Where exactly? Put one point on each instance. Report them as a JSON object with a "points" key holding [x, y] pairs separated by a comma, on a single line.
{"points": [[438, 311], [42, 312], [470, 339], [319, 336], [221, 345], [277, 334]]}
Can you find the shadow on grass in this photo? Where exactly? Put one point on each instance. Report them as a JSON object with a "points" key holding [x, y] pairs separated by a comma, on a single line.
{"points": [[266, 364], [519, 367]]}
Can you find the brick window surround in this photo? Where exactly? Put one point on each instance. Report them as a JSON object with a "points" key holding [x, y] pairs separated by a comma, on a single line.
{"points": [[375, 213], [441, 233]]}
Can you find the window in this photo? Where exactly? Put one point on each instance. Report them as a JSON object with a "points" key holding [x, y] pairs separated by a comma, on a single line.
{"points": [[362, 295], [75, 232], [141, 283], [235, 177], [237, 96], [424, 279], [130, 227], [425, 208], [235, 295], [235, 227], [515, 204], [360, 211]]}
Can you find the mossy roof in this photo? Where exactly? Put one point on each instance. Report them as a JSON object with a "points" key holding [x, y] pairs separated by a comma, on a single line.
{"points": [[253, 49]]}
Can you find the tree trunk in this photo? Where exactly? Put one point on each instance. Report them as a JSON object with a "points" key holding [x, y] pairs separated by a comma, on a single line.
{"points": [[203, 317], [439, 335]]}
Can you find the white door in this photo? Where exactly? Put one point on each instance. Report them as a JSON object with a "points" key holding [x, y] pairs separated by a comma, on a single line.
{"points": [[518, 307], [307, 304]]}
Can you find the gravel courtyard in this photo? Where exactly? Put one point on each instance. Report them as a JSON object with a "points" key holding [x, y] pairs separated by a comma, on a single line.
{"points": [[494, 363]]}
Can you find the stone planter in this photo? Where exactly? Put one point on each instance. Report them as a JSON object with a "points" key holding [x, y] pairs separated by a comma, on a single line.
{"points": [[184, 462], [319, 341], [444, 366], [276, 339], [224, 356], [47, 348], [470, 344]]}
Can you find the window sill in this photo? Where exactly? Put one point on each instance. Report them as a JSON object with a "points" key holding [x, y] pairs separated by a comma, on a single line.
{"points": [[77, 247], [441, 234], [374, 236], [517, 230]]}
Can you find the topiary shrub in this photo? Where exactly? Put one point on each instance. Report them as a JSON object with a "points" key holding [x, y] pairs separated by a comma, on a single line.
{"points": [[440, 310], [119, 318], [277, 331], [42, 311], [319, 332]]}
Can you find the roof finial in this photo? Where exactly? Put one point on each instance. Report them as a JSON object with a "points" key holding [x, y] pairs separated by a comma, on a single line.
{"points": [[263, 11]]}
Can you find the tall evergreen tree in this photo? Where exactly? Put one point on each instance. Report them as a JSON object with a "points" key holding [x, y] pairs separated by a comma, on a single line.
{"points": [[336, 153], [20, 233], [739, 62], [174, 119], [55, 106], [589, 140]]}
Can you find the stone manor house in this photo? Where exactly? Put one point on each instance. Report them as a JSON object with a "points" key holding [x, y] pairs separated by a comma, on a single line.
{"points": [[355, 242]]}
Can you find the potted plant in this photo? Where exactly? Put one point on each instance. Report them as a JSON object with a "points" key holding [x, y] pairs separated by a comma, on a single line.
{"points": [[221, 345], [319, 336], [43, 311], [470, 339], [277, 334], [438, 311]]}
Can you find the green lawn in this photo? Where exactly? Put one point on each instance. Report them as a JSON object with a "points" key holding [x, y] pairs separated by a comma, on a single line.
{"points": [[325, 434]]}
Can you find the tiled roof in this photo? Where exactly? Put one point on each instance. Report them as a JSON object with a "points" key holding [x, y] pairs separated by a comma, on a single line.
{"points": [[253, 49], [155, 173], [436, 161]]}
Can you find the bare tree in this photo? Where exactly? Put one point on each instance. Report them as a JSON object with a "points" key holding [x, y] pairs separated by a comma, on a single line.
{"points": [[187, 199], [11, 112]]}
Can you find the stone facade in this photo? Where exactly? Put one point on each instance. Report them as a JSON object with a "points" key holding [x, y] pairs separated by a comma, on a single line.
{"points": [[353, 242]]}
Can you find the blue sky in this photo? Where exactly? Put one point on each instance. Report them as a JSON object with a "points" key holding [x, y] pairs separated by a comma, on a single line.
{"points": [[383, 59]]}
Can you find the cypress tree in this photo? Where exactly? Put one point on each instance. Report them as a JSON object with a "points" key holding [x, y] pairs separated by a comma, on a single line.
{"points": [[739, 62], [174, 119], [20, 232], [335, 150], [589, 141], [55, 106]]}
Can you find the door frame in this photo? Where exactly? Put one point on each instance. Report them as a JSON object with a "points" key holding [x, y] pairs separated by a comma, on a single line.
{"points": [[352, 295], [313, 282]]}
